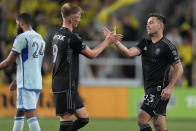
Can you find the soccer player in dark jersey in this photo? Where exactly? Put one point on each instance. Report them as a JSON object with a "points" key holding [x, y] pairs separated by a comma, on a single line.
{"points": [[158, 55], [66, 49]]}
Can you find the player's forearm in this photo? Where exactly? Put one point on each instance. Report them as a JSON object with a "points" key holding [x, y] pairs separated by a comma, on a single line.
{"points": [[177, 74], [97, 50], [123, 49], [13, 86], [4, 64]]}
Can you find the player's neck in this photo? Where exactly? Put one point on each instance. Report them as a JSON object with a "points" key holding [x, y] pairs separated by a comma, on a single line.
{"points": [[67, 25], [156, 37], [27, 28]]}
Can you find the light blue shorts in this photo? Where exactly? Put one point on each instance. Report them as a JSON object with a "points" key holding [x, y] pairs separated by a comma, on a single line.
{"points": [[27, 100]]}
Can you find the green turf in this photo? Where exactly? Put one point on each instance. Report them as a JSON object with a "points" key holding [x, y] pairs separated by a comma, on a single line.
{"points": [[51, 124]]}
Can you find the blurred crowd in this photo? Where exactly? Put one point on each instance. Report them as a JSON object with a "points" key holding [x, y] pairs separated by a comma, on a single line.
{"points": [[128, 15]]}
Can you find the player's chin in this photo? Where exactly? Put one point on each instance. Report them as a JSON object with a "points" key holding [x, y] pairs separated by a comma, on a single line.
{"points": [[76, 25], [150, 34]]}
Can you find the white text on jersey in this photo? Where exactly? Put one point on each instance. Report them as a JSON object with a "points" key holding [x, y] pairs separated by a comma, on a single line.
{"points": [[59, 37]]}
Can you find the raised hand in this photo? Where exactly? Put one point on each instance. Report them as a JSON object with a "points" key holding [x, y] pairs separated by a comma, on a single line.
{"points": [[111, 36], [114, 31], [106, 31]]}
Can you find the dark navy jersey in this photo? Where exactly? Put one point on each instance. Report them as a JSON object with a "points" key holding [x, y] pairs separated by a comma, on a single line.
{"points": [[156, 61], [66, 49]]}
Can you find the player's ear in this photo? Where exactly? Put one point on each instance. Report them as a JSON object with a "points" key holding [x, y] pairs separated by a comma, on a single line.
{"points": [[69, 19], [162, 26], [21, 23]]}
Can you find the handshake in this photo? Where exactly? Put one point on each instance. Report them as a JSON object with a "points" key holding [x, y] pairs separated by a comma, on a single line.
{"points": [[111, 37]]}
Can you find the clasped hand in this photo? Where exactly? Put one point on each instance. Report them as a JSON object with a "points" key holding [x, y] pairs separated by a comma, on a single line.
{"points": [[111, 36]]}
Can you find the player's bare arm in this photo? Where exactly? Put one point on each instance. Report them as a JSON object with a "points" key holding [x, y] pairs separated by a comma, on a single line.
{"points": [[13, 86], [177, 74], [131, 52], [9, 60], [92, 53]]}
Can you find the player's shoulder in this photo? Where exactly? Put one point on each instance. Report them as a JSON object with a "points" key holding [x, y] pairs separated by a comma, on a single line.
{"points": [[27, 34], [34, 32], [21, 36], [37, 35], [69, 33], [63, 32], [145, 41], [77, 36], [167, 43]]}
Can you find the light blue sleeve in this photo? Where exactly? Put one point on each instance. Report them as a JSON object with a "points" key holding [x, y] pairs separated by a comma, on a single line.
{"points": [[19, 44]]}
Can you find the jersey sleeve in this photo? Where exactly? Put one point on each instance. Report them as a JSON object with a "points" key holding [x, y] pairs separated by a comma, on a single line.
{"points": [[77, 44], [19, 45], [171, 54], [140, 46]]}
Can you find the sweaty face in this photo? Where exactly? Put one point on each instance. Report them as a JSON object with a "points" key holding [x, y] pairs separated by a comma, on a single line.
{"points": [[19, 29], [75, 19], [152, 26]]}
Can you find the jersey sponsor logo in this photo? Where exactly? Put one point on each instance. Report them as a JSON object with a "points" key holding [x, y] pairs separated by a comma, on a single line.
{"points": [[59, 37], [149, 59]]}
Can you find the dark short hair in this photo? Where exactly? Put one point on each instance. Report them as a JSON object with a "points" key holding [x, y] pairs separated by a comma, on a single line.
{"points": [[25, 17], [68, 9], [159, 16]]}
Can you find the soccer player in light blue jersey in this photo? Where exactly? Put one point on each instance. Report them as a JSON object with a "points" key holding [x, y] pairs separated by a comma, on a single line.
{"points": [[28, 52]]}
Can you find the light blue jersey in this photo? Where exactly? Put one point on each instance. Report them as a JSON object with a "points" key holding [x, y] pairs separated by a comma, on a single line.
{"points": [[30, 46]]}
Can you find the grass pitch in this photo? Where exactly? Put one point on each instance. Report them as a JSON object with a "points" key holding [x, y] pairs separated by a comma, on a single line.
{"points": [[52, 124]]}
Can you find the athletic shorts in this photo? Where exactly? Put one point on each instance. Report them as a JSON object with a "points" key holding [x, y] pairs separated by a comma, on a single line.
{"points": [[27, 100], [67, 102], [153, 105]]}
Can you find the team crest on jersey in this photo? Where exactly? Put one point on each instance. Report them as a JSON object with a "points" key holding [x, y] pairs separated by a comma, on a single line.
{"points": [[145, 48], [157, 51]]}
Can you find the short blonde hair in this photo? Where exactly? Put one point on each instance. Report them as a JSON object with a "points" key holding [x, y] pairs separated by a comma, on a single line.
{"points": [[68, 9]]}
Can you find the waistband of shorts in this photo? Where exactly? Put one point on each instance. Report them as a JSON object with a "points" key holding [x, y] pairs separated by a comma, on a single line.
{"points": [[153, 90]]}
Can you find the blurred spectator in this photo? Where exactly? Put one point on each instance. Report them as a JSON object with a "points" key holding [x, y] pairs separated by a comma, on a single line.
{"points": [[174, 36], [176, 18], [3, 32], [186, 53], [130, 33]]}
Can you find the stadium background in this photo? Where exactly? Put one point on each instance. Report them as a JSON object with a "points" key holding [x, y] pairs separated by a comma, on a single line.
{"points": [[111, 86]]}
